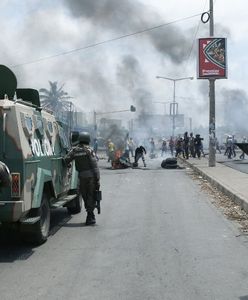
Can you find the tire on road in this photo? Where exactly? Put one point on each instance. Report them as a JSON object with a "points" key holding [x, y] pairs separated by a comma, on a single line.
{"points": [[38, 232], [169, 163]]}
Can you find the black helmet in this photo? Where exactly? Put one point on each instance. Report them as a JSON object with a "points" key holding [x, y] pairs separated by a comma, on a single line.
{"points": [[84, 137]]}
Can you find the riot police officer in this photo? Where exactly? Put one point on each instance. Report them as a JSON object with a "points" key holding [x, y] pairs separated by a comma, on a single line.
{"points": [[88, 172]]}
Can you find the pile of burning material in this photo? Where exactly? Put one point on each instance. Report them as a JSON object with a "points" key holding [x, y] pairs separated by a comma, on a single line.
{"points": [[120, 161]]}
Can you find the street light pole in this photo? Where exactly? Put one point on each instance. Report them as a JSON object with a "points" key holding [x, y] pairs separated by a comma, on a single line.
{"points": [[174, 109], [174, 104]]}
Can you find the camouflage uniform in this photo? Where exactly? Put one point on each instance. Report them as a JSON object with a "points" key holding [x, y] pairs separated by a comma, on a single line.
{"points": [[88, 172]]}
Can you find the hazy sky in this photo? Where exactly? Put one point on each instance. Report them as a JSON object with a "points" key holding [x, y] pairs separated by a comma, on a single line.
{"points": [[114, 75]]}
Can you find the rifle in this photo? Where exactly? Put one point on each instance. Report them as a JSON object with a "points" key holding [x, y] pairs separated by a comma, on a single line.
{"points": [[98, 197]]}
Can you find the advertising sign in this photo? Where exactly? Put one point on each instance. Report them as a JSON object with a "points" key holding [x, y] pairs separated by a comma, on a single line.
{"points": [[212, 58]]}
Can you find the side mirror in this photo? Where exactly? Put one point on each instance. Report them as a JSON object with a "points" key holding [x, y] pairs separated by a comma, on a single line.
{"points": [[74, 138]]}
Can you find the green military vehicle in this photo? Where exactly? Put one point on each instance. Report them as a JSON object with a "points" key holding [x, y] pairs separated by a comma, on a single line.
{"points": [[33, 176]]}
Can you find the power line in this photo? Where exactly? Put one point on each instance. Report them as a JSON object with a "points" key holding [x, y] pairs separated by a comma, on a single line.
{"points": [[194, 38], [106, 41]]}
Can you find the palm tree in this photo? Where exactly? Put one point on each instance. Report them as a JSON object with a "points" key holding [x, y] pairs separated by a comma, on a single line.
{"points": [[55, 99]]}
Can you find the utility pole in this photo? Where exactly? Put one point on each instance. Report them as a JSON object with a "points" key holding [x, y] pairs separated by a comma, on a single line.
{"points": [[212, 157]]}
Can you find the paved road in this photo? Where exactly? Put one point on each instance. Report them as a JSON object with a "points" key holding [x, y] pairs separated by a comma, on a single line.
{"points": [[235, 162], [159, 237]]}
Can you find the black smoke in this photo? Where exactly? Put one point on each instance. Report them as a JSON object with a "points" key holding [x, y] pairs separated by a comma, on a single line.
{"points": [[126, 16], [131, 76]]}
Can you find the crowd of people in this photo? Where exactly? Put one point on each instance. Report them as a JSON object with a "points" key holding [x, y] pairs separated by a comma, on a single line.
{"points": [[186, 146]]}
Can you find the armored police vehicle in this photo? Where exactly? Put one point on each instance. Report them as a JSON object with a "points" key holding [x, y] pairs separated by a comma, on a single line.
{"points": [[33, 175]]}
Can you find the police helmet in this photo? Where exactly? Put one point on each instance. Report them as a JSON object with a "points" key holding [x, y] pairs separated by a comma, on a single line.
{"points": [[84, 137]]}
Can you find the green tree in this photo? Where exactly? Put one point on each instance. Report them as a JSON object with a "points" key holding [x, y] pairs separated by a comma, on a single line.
{"points": [[55, 99]]}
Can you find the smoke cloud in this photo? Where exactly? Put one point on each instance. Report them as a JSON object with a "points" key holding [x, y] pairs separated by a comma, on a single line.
{"points": [[124, 17], [235, 109], [114, 75]]}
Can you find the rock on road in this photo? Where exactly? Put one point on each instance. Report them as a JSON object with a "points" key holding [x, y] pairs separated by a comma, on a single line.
{"points": [[158, 237]]}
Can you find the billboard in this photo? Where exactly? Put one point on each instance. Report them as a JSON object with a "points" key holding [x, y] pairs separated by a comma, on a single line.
{"points": [[212, 61]]}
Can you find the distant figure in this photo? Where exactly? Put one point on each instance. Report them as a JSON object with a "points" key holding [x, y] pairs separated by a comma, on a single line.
{"points": [[139, 153], [234, 146], [111, 151], [217, 145], [95, 147], [198, 145], [242, 155], [152, 146], [191, 144], [163, 147], [126, 150], [186, 144], [131, 147], [179, 147], [229, 147], [171, 145]]}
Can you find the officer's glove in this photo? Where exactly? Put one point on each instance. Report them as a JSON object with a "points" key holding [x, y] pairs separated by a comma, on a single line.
{"points": [[65, 163]]}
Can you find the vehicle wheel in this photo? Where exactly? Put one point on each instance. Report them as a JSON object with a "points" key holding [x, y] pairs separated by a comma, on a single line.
{"points": [[38, 233], [75, 206]]}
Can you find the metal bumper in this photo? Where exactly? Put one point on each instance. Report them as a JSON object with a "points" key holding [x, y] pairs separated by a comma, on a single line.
{"points": [[11, 211]]}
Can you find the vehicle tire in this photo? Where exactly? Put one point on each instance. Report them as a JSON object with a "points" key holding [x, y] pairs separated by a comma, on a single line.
{"points": [[169, 163], [75, 206], [38, 233]]}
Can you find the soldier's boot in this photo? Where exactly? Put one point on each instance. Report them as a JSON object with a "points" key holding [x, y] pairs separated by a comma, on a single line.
{"points": [[90, 219]]}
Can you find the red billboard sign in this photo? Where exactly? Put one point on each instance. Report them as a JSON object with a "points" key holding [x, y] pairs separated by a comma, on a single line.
{"points": [[212, 58]]}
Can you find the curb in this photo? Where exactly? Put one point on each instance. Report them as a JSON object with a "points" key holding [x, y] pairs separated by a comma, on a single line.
{"points": [[237, 199]]}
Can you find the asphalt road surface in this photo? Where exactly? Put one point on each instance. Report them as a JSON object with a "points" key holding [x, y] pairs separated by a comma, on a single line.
{"points": [[235, 162], [158, 237]]}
